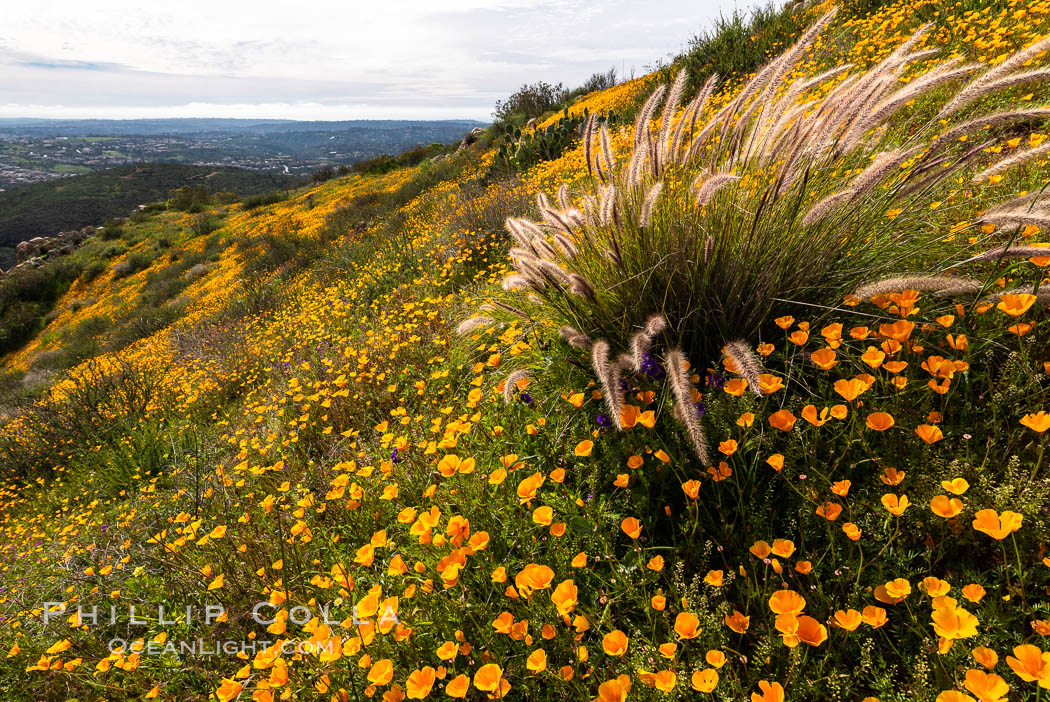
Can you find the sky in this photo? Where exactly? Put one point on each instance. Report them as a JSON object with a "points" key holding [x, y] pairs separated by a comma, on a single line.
{"points": [[314, 59]]}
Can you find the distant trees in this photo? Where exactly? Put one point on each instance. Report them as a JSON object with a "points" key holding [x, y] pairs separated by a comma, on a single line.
{"points": [[189, 198], [530, 100]]}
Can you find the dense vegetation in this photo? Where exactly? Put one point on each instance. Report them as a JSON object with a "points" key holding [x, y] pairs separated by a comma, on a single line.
{"points": [[674, 434], [44, 209]]}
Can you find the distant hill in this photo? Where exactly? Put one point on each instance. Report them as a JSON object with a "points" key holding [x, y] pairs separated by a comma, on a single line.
{"points": [[43, 209], [429, 130]]}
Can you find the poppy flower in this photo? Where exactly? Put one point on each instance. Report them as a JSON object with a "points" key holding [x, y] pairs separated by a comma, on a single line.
{"points": [[783, 420], [841, 487], [760, 549], [737, 622], [715, 658], [564, 597], [809, 413], [830, 511], [537, 661], [381, 672], [930, 433], [953, 622], [420, 682], [895, 505], [874, 616], [786, 602], [1039, 422], [998, 526], [611, 691], [852, 531], [776, 462], [879, 421], [824, 359], [714, 578], [1030, 664], [848, 619], [632, 527], [687, 625], [810, 631], [488, 677], [584, 448], [947, 507], [768, 692], [849, 390], [956, 486], [735, 386], [691, 488], [987, 686], [973, 592], [783, 548], [615, 643], [1015, 304], [705, 680], [985, 656], [664, 681]]}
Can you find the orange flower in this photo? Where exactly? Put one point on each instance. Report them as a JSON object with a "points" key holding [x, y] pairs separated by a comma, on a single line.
{"points": [[895, 505], [735, 386], [381, 672], [783, 548], [458, 686], [488, 678], [947, 507], [632, 527], [664, 681], [420, 682], [584, 447], [691, 489], [776, 462], [973, 592], [824, 359], [769, 383], [565, 597], [705, 680], [1040, 421], [760, 549], [880, 421], [873, 357], [612, 691], [714, 578], [1015, 304], [737, 622], [953, 622], [852, 531], [829, 511], [786, 602], [1030, 664], [768, 692], [728, 447], [850, 389], [811, 632], [799, 338], [998, 526], [783, 420], [987, 686], [957, 486], [930, 433], [687, 626], [893, 591], [848, 620], [985, 656], [615, 643], [874, 616]]}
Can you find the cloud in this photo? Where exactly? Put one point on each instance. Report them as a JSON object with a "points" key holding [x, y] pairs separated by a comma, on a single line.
{"points": [[410, 58]]}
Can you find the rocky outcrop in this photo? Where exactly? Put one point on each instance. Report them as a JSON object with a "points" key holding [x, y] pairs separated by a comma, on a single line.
{"points": [[37, 249]]}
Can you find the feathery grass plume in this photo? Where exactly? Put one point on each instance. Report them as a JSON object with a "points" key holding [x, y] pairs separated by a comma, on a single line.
{"points": [[650, 201], [517, 232], [645, 115], [575, 338], [510, 384], [826, 205], [602, 368], [642, 341], [563, 196], [469, 325], [981, 86], [1013, 160], [568, 249], [667, 118], [709, 187], [1018, 218], [581, 286], [514, 281], [545, 250], [497, 305], [1004, 252], [682, 389], [943, 284], [553, 272], [607, 151], [783, 235], [747, 364]]}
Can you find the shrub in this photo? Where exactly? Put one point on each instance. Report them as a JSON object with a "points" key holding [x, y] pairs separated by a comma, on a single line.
{"points": [[530, 100], [254, 202], [93, 270], [715, 232], [204, 224], [135, 262], [520, 150], [189, 198]]}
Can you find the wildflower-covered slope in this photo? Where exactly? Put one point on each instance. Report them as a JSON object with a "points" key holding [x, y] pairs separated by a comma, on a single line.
{"points": [[354, 503]]}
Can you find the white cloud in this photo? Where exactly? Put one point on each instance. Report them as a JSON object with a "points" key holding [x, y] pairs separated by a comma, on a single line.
{"points": [[323, 60]]}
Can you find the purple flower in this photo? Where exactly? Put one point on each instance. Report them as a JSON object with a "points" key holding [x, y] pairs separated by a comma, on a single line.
{"points": [[716, 380], [393, 456], [525, 397], [603, 421]]}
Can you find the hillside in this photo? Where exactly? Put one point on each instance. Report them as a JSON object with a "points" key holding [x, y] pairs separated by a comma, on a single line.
{"points": [[726, 388], [43, 209]]}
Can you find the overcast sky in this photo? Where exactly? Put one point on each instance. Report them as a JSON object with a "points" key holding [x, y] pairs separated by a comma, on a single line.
{"points": [[312, 59]]}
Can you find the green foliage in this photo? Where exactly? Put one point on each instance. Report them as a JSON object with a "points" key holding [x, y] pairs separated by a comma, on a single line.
{"points": [[189, 198], [135, 262], [27, 295], [43, 209], [521, 149], [262, 200], [529, 101], [385, 163]]}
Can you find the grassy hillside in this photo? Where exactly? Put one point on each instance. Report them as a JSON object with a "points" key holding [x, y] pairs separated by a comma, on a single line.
{"points": [[44, 209], [661, 440]]}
